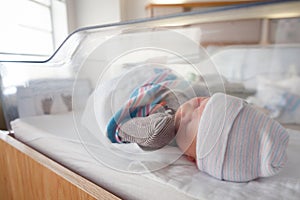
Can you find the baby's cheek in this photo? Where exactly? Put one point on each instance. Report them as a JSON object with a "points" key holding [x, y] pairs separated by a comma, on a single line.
{"points": [[185, 121], [183, 140], [186, 133], [191, 150]]}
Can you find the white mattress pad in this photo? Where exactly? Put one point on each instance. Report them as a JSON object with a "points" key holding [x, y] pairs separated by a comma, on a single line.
{"points": [[55, 136]]}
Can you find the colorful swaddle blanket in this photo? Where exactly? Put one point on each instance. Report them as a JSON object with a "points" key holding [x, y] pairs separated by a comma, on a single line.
{"points": [[144, 100]]}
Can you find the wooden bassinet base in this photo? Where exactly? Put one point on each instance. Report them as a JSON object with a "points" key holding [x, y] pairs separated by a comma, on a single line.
{"points": [[28, 174]]}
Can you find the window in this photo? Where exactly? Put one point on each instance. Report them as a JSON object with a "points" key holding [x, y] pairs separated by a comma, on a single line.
{"points": [[29, 28]]}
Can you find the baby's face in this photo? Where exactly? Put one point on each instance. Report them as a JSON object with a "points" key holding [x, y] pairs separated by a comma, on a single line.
{"points": [[187, 120]]}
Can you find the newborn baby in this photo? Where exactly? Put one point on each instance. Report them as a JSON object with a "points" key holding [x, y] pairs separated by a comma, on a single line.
{"points": [[226, 137], [229, 139]]}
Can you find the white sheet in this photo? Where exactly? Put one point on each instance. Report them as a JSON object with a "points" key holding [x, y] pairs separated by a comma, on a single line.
{"points": [[55, 136], [285, 185]]}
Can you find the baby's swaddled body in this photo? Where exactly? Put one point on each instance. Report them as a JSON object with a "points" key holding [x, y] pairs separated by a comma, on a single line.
{"points": [[228, 138]]}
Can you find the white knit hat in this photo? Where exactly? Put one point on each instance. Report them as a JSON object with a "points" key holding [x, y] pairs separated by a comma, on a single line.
{"points": [[235, 142]]}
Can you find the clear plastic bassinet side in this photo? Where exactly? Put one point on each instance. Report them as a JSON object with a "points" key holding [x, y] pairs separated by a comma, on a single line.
{"points": [[75, 93], [42, 87]]}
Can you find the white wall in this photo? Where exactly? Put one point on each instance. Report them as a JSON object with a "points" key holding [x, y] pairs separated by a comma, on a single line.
{"points": [[82, 13], [134, 9]]}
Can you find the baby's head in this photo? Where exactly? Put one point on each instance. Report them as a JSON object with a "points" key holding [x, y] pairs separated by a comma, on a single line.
{"points": [[229, 139], [187, 120]]}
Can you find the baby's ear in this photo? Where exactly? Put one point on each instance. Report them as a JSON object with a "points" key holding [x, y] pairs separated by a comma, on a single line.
{"points": [[191, 158]]}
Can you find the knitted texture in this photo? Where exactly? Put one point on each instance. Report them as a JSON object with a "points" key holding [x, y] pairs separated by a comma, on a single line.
{"points": [[236, 142], [145, 101], [153, 131]]}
